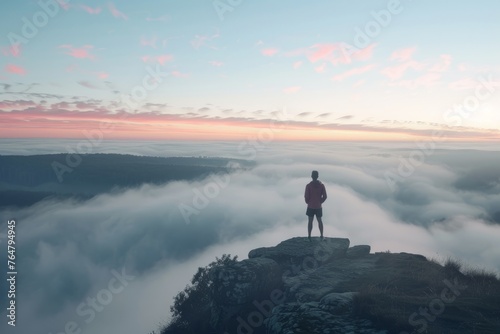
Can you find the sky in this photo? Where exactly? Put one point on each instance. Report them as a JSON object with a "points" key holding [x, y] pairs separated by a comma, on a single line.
{"points": [[69, 251], [225, 70], [243, 79]]}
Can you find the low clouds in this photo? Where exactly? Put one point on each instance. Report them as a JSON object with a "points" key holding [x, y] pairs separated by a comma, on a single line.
{"points": [[43, 120], [69, 249]]}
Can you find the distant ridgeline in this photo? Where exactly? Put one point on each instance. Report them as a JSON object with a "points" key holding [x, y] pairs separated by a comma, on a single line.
{"points": [[25, 180], [326, 286]]}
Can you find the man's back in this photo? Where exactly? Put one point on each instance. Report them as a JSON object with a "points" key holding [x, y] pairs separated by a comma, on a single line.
{"points": [[315, 194]]}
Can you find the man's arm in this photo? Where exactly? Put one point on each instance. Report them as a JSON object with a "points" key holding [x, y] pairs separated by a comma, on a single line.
{"points": [[307, 195], [323, 195]]}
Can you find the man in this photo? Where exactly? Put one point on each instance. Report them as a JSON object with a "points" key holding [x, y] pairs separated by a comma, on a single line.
{"points": [[315, 195]]}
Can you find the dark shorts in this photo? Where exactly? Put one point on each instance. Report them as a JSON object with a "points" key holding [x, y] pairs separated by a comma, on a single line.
{"points": [[311, 212]]}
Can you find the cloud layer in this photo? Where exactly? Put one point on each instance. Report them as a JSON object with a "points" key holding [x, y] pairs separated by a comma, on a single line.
{"points": [[68, 250]]}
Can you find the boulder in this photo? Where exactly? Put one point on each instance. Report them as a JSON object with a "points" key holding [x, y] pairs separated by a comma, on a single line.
{"points": [[313, 284], [312, 319], [358, 251], [338, 302], [297, 250]]}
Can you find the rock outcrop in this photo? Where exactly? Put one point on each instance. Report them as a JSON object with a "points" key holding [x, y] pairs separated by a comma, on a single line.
{"points": [[294, 287], [325, 286]]}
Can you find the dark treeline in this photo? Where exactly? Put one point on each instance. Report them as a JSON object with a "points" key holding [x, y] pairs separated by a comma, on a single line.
{"points": [[25, 180]]}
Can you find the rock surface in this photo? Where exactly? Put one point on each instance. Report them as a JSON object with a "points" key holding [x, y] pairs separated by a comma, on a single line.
{"points": [[238, 285], [358, 251], [312, 318], [295, 250], [325, 286], [294, 287]]}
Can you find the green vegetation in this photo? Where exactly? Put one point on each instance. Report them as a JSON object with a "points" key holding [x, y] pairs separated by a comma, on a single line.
{"points": [[191, 308], [402, 293], [413, 295]]}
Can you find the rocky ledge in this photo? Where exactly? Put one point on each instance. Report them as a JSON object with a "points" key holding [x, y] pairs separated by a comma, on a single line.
{"points": [[325, 286]]}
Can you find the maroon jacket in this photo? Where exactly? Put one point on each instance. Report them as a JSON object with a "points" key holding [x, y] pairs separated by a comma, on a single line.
{"points": [[315, 194]]}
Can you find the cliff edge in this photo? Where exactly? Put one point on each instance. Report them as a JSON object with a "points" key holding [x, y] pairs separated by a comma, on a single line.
{"points": [[326, 286]]}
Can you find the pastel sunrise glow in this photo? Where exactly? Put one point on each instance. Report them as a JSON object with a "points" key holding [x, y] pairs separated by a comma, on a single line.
{"points": [[212, 70]]}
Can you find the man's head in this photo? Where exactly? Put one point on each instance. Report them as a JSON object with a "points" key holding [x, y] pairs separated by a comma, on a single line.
{"points": [[314, 175]]}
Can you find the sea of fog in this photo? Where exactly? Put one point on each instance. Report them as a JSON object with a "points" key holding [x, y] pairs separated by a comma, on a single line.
{"points": [[113, 263]]}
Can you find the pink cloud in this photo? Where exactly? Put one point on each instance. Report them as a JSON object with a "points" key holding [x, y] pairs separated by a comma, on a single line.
{"points": [[269, 52], [297, 64], [80, 53], [13, 50], [403, 55], [64, 5], [364, 54], [178, 74], [354, 71], [321, 52], [443, 65], [321, 68], [397, 71], [115, 12], [14, 69], [42, 120], [149, 42], [90, 10], [161, 59], [292, 89], [102, 75], [337, 53], [216, 63]]}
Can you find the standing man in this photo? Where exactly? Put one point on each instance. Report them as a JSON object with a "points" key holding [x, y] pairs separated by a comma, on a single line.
{"points": [[315, 195]]}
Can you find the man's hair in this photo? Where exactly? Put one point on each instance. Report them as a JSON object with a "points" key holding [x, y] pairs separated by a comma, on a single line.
{"points": [[315, 174]]}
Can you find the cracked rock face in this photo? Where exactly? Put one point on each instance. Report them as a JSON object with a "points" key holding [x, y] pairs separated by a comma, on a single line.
{"points": [[294, 287], [312, 318], [297, 250], [325, 286], [312, 285]]}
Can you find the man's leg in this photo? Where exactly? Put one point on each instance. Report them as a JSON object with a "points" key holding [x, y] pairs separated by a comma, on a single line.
{"points": [[309, 226], [320, 224]]}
